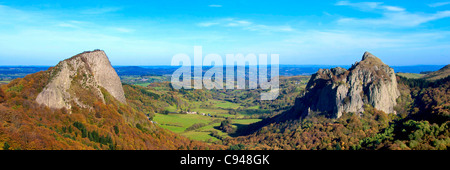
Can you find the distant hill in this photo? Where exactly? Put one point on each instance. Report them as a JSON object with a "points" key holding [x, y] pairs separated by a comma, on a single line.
{"points": [[8, 73], [419, 69], [13, 72], [441, 73]]}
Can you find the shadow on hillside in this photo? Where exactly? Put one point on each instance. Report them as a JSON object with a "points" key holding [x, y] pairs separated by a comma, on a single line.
{"points": [[243, 130], [239, 128]]}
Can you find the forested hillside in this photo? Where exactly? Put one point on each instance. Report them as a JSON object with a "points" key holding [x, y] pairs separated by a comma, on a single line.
{"points": [[27, 125], [421, 123]]}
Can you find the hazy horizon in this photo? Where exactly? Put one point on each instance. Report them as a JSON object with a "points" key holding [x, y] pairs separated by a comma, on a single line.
{"points": [[337, 32], [285, 65], [284, 69]]}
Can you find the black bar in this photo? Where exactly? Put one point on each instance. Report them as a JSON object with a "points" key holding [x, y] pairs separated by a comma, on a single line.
{"points": [[224, 159]]}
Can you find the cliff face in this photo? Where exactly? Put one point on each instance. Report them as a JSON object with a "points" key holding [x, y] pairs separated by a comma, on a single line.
{"points": [[337, 90], [81, 80]]}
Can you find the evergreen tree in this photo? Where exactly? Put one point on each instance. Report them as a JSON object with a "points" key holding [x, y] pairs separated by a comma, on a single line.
{"points": [[6, 146]]}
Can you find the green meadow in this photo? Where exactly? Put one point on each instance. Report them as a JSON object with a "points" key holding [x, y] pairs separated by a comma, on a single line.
{"points": [[142, 84], [4, 81], [411, 75], [219, 111], [178, 123], [241, 107]]}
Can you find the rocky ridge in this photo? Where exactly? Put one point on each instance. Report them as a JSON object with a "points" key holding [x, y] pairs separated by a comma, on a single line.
{"points": [[82, 80], [334, 91]]}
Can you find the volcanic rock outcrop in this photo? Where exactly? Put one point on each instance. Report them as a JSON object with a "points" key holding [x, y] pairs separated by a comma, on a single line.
{"points": [[82, 80], [334, 91]]}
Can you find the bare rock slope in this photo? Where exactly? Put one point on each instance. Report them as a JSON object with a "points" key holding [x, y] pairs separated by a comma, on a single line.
{"points": [[337, 90], [82, 80]]}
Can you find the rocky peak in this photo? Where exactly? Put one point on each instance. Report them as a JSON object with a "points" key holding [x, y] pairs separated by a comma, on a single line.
{"points": [[81, 80], [369, 60], [337, 90], [368, 55]]}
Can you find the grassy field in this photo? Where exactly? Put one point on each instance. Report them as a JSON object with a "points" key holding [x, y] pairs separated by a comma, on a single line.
{"points": [[178, 123], [4, 81], [240, 106], [171, 108], [254, 107], [411, 75], [225, 104], [142, 80], [143, 84]]}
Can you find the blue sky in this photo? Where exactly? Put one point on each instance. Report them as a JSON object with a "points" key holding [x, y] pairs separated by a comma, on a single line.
{"points": [[399, 32]]}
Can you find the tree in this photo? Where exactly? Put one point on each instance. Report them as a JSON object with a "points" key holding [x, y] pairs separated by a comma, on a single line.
{"points": [[6, 146], [225, 126], [2, 94], [116, 129], [165, 112], [232, 112], [237, 147]]}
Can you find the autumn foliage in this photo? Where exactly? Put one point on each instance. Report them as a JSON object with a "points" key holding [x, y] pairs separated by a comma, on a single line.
{"points": [[421, 123], [26, 125]]}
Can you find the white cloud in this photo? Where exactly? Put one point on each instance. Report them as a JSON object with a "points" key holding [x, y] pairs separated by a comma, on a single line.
{"points": [[393, 8], [39, 32], [207, 24], [339, 46], [369, 6], [237, 23], [215, 6], [247, 25], [96, 11], [438, 4], [72, 24], [12, 15], [392, 16], [396, 19], [360, 5]]}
